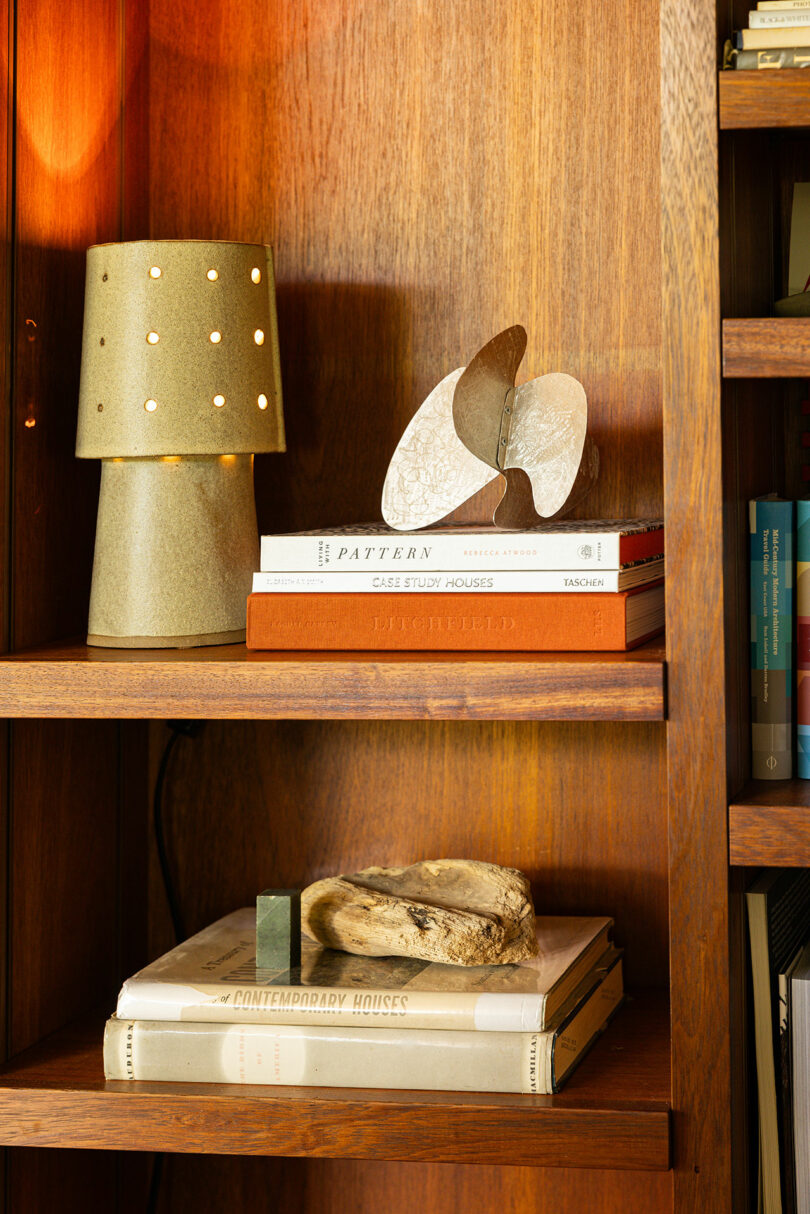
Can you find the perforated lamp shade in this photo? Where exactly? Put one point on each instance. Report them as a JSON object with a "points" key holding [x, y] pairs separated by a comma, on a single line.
{"points": [[180, 385]]}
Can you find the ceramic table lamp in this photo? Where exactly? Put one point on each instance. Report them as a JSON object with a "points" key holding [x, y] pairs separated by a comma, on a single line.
{"points": [[180, 385]]}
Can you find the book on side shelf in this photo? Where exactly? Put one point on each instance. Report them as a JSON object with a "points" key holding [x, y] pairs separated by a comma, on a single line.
{"points": [[212, 976], [608, 544], [799, 1022], [780, 17], [556, 622], [771, 527], [803, 639], [775, 37], [775, 58], [390, 1057], [778, 906]]}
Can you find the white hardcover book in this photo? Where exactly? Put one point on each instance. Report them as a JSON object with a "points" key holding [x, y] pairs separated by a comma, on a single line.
{"points": [[770, 6], [497, 581], [213, 977], [570, 544], [772, 38], [779, 17], [393, 1057]]}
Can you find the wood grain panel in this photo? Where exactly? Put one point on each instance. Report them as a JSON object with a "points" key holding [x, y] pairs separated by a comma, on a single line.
{"points": [[41, 1180], [7, 69], [420, 196], [427, 174], [753, 411], [334, 1187], [769, 823], [766, 348], [612, 1113], [699, 923], [764, 99], [578, 808], [228, 681], [68, 179], [63, 869]]}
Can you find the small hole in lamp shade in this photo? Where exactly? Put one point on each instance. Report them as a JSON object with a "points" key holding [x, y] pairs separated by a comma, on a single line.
{"points": [[212, 275], [30, 422], [256, 274], [219, 401], [153, 338], [262, 402], [101, 408], [150, 406], [101, 341], [154, 271], [258, 337], [103, 277], [215, 337]]}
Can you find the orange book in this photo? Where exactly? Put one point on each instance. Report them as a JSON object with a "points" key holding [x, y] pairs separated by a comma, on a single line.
{"points": [[456, 621]]}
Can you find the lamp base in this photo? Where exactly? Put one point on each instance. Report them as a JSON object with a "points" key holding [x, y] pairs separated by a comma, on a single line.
{"points": [[178, 642], [176, 548]]}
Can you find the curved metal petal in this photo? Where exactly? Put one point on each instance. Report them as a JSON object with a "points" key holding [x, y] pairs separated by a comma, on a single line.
{"points": [[431, 472], [481, 393]]}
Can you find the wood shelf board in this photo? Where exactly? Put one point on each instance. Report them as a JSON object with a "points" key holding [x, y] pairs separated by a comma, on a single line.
{"points": [[757, 99], [229, 682], [613, 1112], [769, 824], [766, 348]]}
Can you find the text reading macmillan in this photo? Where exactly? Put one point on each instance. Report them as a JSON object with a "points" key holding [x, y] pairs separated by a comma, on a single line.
{"points": [[570, 586], [777, 36], [205, 1013]]}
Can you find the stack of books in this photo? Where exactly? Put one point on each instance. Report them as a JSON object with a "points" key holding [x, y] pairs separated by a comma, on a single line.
{"points": [[778, 905], [780, 622], [568, 586], [778, 35], [205, 1013]]}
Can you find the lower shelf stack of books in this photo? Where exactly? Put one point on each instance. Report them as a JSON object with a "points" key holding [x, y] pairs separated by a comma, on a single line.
{"points": [[205, 1013], [777, 36], [574, 586]]}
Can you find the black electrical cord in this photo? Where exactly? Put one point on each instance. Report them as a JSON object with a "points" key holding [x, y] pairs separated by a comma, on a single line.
{"points": [[154, 1184], [160, 842], [179, 729]]}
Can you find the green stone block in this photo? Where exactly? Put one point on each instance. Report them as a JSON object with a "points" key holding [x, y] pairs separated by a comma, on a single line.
{"points": [[278, 929]]}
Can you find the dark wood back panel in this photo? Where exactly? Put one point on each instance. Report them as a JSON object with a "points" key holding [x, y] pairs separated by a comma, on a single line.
{"points": [[68, 168], [256, 805], [66, 836], [696, 730], [427, 176], [334, 1187]]}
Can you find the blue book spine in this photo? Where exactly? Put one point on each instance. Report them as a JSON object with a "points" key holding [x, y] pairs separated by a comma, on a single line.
{"points": [[772, 554], [803, 640]]}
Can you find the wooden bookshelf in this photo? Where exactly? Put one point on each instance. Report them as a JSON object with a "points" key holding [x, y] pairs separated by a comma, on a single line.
{"points": [[769, 824], [417, 203], [612, 1113], [773, 348], [230, 682], [764, 99]]}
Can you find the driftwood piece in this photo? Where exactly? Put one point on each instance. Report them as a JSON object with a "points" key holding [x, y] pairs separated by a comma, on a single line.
{"points": [[465, 912]]}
